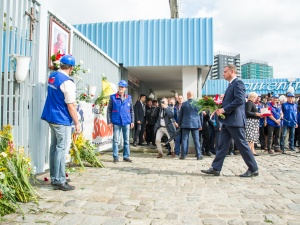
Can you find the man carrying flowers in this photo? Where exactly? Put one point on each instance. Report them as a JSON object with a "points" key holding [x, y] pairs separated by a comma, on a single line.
{"points": [[59, 111]]}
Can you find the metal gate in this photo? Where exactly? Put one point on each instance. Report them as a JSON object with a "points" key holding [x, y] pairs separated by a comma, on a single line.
{"points": [[17, 21]]}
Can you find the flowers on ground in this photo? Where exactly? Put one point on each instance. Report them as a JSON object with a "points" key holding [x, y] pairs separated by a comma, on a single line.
{"points": [[15, 174], [83, 150]]}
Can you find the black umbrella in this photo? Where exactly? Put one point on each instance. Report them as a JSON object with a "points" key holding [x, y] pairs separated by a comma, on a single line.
{"points": [[178, 131]]}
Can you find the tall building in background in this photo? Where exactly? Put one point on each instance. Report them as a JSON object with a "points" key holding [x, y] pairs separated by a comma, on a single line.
{"points": [[254, 69], [221, 59]]}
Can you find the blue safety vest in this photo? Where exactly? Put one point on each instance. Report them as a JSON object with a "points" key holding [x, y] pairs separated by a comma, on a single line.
{"points": [[55, 109], [289, 114], [120, 113], [275, 113]]}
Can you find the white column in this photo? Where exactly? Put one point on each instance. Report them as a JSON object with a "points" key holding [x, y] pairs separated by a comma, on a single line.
{"points": [[189, 80], [190, 83]]}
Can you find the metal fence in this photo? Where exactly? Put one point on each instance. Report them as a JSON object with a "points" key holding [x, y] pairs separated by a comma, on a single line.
{"points": [[21, 104]]}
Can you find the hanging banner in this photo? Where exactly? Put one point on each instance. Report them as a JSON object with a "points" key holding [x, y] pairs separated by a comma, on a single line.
{"points": [[94, 118]]}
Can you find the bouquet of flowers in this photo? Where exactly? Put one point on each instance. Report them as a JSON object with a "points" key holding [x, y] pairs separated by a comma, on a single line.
{"points": [[84, 97], [56, 60], [83, 150], [209, 104], [103, 98]]}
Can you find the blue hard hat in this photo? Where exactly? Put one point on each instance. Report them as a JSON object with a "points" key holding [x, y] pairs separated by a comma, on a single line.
{"points": [[68, 60], [122, 83], [275, 96], [290, 94], [259, 95]]}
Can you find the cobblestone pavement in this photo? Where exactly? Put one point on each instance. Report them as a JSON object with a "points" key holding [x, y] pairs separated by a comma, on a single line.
{"points": [[172, 191]]}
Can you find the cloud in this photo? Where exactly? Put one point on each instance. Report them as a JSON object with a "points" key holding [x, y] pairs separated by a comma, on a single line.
{"points": [[266, 30], [90, 11]]}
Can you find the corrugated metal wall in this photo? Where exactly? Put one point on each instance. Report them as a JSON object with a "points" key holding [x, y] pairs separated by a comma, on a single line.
{"points": [[21, 104], [95, 60], [17, 99], [165, 42], [260, 86]]}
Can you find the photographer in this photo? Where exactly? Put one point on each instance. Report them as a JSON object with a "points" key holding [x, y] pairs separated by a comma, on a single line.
{"points": [[164, 126]]}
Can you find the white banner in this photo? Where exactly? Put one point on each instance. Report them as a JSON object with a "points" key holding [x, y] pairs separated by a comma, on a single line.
{"points": [[94, 125]]}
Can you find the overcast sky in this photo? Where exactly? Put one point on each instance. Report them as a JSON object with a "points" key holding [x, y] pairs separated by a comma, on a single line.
{"points": [[264, 30]]}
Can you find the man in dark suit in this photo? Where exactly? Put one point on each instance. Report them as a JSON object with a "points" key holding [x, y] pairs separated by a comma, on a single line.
{"points": [[140, 121], [189, 120], [233, 126]]}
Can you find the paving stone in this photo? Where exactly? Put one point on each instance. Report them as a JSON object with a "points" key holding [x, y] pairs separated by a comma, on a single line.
{"points": [[74, 219], [214, 222], [236, 222], [114, 221], [151, 191]]}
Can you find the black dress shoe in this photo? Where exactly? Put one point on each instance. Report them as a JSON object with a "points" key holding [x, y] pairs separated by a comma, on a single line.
{"points": [[211, 171], [141, 144], [250, 174], [127, 160], [116, 160], [64, 187], [134, 144], [200, 158], [182, 157], [208, 153]]}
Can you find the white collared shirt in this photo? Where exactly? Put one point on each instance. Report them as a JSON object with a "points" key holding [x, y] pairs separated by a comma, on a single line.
{"points": [[232, 80], [69, 89]]}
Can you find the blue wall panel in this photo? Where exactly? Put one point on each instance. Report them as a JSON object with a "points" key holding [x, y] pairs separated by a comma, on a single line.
{"points": [[165, 42], [260, 86]]}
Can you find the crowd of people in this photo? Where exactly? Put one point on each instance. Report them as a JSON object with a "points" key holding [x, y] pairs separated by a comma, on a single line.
{"points": [[263, 132], [250, 122]]}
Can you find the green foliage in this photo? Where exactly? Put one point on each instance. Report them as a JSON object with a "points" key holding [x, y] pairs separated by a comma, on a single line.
{"points": [[207, 104], [4, 25]]}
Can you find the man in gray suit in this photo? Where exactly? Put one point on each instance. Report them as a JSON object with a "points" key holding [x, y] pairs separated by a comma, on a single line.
{"points": [[233, 126], [164, 126], [189, 120]]}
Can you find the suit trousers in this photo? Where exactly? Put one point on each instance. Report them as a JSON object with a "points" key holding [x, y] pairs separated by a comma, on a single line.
{"points": [[204, 134], [239, 137], [139, 132], [273, 132], [159, 134], [150, 134], [185, 141]]}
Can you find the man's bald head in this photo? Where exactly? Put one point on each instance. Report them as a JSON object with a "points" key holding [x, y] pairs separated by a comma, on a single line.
{"points": [[190, 95]]}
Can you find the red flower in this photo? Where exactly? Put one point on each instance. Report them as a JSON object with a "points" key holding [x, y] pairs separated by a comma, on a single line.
{"points": [[93, 105], [1, 196], [217, 100], [67, 174], [46, 179], [84, 95], [58, 56]]}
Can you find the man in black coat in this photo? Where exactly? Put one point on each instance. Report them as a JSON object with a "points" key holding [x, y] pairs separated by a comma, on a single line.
{"points": [[140, 121], [150, 122]]}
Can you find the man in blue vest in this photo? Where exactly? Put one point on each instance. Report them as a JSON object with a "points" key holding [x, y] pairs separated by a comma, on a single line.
{"points": [[289, 110], [59, 111], [120, 117], [274, 124]]}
